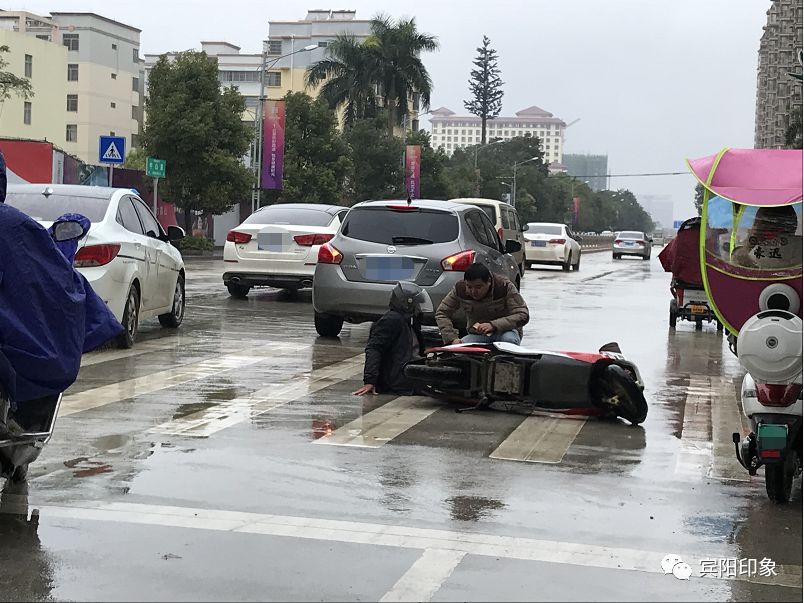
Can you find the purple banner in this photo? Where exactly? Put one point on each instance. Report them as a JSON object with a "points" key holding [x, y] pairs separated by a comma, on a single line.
{"points": [[413, 155], [273, 144]]}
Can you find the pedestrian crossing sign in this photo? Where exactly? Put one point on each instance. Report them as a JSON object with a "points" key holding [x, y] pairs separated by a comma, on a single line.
{"points": [[112, 149]]}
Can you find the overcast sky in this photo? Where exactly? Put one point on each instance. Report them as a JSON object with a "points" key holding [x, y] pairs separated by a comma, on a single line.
{"points": [[652, 81]]}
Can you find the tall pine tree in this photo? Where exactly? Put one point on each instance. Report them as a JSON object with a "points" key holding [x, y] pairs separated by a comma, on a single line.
{"points": [[486, 86]]}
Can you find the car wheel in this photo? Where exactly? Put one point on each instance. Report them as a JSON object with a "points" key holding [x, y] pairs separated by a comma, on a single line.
{"points": [[646, 257], [238, 291], [131, 317], [522, 269], [577, 265], [528, 265], [173, 319], [615, 256], [328, 326], [566, 265]]}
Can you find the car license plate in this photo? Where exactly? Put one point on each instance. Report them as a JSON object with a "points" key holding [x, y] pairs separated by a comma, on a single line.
{"points": [[538, 243], [629, 243], [698, 309], [389, 268], [772, 437]]}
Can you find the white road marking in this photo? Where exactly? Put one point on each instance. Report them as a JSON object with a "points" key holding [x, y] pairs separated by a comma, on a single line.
{"points": [[205, 422], [145, 347], [695, 454], [425, 576], [727, 418], [147, 384], [505, 547], [382, 425], [540, 439]]}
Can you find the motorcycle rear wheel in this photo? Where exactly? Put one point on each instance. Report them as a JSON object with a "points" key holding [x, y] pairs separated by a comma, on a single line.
{"points": [[779, 479], [625, 400]]}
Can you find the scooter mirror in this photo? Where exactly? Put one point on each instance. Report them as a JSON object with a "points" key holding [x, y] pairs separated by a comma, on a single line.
{"points": [[67, 231]]}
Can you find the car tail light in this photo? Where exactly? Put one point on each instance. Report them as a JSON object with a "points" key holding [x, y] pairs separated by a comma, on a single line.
{"points": [[618, 241], [500, 233], [240, 238], [459, 262], [308, 240], [328, 254], [641, 243], [778, 395], [557, 241], [95, 255], [402, 207]]}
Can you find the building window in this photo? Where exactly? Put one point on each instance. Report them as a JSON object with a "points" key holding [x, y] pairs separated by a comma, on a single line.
{"points": [[44, 37], [273, 79], [70, 41], [113, 105], [72, 102], [135, 112], [135, 55], [275, 47], [114, 76], [72, 133], [226, 77], [72, 72], [323, 44], [114, 46], [28, 66], [135, 140], [135, 84], [26, 116]]}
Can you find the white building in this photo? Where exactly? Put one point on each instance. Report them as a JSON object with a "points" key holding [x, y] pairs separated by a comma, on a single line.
{"points": [[451, 131]]}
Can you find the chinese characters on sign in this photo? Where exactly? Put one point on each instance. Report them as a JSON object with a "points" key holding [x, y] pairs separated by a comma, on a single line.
{"points": [[273, 144], [412, 171]]}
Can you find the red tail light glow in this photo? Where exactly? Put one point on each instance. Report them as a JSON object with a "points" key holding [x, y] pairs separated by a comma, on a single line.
{"points": [[239, 238], [308, 240], [618, 241], [459, 262], [500, 233], [328, 254], [402, 207], [557, 241], [95, 255]]}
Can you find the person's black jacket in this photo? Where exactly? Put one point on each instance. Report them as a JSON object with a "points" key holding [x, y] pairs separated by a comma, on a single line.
{"points": [[390, 346]]}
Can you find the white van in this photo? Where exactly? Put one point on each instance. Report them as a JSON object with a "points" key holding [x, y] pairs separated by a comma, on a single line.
{"points": [[505, 220]]}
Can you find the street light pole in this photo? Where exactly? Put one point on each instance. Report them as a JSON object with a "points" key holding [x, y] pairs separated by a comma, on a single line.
{"points": [[513, 187]]}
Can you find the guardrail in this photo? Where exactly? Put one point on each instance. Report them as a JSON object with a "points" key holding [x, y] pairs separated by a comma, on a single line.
{"points": [[595, 242]]}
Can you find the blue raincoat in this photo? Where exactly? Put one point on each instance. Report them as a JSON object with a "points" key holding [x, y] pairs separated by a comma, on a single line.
{"points": [[49, 314]]}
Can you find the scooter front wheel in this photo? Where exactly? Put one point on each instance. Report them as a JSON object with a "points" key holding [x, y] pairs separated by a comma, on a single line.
{"points": [[625, 399]]}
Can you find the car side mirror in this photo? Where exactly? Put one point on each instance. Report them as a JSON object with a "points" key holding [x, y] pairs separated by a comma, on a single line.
{"points": [[68, 231], [175, 233], [512, 246], [525, 227]]}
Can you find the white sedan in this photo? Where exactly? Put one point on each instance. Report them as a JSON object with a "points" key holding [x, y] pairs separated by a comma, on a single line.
{"points": [[277, 246], [126, 257], [553, 244]]}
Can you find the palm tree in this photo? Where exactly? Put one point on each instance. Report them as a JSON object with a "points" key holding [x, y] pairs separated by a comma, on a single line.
{"points": [[348, 76], [398, 67]]}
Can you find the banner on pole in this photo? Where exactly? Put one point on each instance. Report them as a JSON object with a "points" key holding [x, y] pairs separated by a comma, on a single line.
{"points": [[273, 144], [413, 156], [576, 210]]}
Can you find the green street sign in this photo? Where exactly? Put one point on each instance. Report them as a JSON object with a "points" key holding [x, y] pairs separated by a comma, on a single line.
{"points": [[155, 167]]}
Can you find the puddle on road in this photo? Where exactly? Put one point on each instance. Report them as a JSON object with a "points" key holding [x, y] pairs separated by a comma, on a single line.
{"points": [[472, 508]]}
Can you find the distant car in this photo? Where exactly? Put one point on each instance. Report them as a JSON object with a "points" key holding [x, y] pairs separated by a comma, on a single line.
{"points": [[277, 246], [553, 244], [606, 233], [505, 220], [126, 257], [631, 242], [380, 243]]}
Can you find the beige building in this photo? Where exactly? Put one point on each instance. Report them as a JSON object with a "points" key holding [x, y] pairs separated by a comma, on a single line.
{"points": [[451, 131], [778, 94], [34, 55]]}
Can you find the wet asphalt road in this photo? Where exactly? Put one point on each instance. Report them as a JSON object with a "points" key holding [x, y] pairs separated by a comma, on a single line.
{"points": [[227, 461]]}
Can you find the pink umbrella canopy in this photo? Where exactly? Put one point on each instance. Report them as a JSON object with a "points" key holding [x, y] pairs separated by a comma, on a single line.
{"points": [[762, 177]]}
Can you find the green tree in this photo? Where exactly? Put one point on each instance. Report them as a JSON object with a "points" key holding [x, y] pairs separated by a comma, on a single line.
{"points": [[317, 162], [11, 84], [377, 171], [434, 184], [699, 195], [347, 78], [196, 127], [485, 85], [135, 159], [399, 70], [792, 136]]}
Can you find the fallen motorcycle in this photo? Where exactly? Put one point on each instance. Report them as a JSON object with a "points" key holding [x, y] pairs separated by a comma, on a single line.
{"points": [[601, 384]]}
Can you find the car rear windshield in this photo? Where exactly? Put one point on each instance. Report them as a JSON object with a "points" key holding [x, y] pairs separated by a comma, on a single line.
{"points": [[390, 227], [48, 209], [548, 229], [629, 234], [490, 212], [276, 214]]}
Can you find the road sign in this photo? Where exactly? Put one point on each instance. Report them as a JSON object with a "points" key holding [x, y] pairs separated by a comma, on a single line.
{"points": [[112, 150], [155, 167]]}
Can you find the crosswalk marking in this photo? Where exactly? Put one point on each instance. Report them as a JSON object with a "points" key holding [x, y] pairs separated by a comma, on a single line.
{"points": [[145, 347], [206, 422], [540, 439], [130, 388], [695, 453], [408, 537], [425, 576], [379, 426]]}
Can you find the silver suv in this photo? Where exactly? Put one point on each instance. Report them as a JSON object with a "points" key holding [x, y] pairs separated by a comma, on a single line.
{"points": [[380, 243]]}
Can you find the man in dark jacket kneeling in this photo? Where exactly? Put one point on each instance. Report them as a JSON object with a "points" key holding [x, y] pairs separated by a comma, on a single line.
{"points": [[395, 339]]}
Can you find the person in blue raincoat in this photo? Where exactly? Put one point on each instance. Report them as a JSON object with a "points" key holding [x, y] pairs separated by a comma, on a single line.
{"points": [[49, 314]]}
